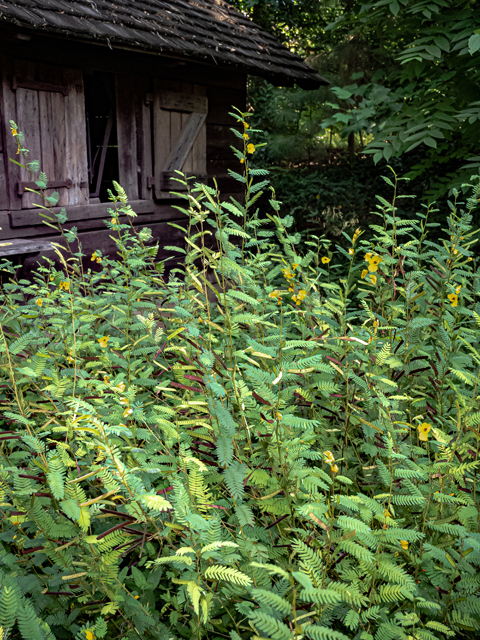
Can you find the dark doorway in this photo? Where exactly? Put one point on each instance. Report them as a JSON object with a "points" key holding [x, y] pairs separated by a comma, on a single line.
{"points": [[102, 145]]}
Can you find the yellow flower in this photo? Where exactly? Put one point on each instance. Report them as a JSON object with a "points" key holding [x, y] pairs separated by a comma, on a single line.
{"points": [[351, 251], [121, 387], [373, 278], [114, 221], [404, 544], [334, 468], [99, 260], [273, 294], [373, 261], [246, 125], [106, 380], [301, 295], [364, 273], [39, 301], [103, 341], [89, 635], [386, 514], [124, 401], [94, 256], [329, 456], [287, 274], [242, 160], [127, 412], [295, 266], [52, 277], [14, 132], [251, 148], [356, 235], [246, 136], [325, 260], [65, 285], [423, 431], [453, 297], [457, 289]]}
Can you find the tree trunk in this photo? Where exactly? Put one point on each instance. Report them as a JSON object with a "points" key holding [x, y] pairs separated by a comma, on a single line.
{"points": [[351, 143]]}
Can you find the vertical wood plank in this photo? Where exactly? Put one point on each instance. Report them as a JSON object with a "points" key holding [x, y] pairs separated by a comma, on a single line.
{"points": [[161, 135], [46, 134], [199, 150], [4, 200], [28, 116], [4, 132], [46, 73], [76, 137], [59, 143], [52, 129], [9, 109], [175, 117], [188, 165], [144, 139], [126, 98]]}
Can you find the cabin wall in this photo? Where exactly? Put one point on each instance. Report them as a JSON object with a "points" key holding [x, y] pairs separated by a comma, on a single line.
{"points": [[52, 116]]}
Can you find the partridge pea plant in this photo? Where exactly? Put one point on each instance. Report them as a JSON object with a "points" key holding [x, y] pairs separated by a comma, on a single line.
{"points": [[262, 445]]}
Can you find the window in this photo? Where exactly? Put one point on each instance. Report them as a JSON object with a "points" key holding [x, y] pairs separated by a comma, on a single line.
{"points": [[102, 144]]}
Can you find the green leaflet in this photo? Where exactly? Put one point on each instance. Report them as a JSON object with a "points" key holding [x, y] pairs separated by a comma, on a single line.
{"points": [[195, 465], [228, 574]]}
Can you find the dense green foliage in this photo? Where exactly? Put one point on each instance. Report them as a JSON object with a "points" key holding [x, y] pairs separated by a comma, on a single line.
{"points": [[404, 85], [422, 88], [262, 445]]}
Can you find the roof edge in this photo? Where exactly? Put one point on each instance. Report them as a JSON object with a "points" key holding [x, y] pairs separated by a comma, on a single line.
{"points": [[311, 81]]}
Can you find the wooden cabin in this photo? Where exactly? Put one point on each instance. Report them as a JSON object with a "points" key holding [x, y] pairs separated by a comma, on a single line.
{"points": [[130, 90]]}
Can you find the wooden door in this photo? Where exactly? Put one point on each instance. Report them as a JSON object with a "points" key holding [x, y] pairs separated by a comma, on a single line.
{"points": [[47, 103], [179, 134]]}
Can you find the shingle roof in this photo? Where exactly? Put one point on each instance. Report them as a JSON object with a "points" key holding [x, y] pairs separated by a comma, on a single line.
{"points": [[208, 30]]}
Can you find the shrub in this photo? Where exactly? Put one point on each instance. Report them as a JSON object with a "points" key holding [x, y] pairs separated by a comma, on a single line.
{"points": [[289, 451]]}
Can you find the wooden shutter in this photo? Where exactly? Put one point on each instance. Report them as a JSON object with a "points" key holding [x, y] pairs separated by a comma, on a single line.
{"points": [[47, 103], [134, 135], [180, 134]]}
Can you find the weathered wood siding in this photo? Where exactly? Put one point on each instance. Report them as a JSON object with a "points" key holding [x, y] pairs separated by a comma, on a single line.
{"points": [[47, 102], [157, 102]]}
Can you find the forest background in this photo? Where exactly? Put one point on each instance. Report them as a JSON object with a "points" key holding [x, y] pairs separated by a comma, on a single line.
{"points": [[291, 452], [404, 88]]}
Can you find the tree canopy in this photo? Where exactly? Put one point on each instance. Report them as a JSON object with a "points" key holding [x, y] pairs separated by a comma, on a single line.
{"points": [[404, 74]]}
